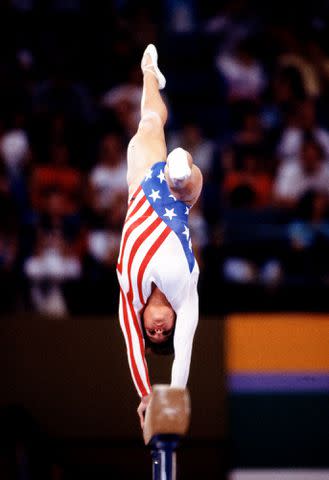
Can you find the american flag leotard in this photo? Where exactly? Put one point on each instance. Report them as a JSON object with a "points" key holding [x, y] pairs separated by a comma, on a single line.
{"points": [[156, 248]]}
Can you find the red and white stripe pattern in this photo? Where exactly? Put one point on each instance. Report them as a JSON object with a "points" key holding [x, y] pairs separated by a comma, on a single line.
{"points": [[143, 234]]}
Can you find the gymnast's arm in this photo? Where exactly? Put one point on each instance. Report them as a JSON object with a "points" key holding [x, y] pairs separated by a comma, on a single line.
{"points": [[133, 336], [186, 323]]}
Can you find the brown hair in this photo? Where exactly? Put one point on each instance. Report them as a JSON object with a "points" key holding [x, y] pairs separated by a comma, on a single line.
{"points": [[163, 348]]}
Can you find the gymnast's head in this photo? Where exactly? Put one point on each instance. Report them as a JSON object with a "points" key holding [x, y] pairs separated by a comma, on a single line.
{"points": [[158, 319]]}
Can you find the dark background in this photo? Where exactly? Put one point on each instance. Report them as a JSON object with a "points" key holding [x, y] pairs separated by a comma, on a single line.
{"points": [[73, 403]]}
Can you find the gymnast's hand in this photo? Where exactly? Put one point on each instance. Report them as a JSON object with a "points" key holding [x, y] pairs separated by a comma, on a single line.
{"points": [[142, 408]]}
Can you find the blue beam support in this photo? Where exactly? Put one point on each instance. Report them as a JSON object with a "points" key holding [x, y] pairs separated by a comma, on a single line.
{"points": [[163, 451]]}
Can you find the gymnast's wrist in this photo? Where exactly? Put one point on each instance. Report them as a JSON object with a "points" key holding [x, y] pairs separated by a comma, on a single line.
{"points": [[146, 398]]}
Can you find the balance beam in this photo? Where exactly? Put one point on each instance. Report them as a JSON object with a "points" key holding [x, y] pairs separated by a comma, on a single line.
{"points": [[166, 421]]}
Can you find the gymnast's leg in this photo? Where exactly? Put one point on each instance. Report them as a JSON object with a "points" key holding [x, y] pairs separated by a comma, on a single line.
{"points": [[148, 145]]}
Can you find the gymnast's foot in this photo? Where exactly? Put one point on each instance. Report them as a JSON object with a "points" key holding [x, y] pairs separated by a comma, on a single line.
{"points": [[179, 170], [149, 63]]}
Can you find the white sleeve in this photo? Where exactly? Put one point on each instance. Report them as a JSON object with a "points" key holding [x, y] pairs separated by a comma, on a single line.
{"points": [[287, 185], [186, 323]]}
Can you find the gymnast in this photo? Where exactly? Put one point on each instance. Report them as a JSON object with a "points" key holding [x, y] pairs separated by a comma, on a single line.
{"points": [[156, 269]]}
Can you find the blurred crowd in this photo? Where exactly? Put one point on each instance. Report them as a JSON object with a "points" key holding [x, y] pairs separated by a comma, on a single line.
{"points": [[248, 95]]}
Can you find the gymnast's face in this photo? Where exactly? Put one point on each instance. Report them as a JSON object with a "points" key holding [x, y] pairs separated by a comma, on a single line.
{"points": [[159, 322]]}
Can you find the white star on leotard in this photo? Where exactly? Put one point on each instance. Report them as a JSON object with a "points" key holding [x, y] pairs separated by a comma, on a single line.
{"points": [[161, 176], [190, 245], [148, 174], [187, 211], [170, 213], [186, 232], [173, 196], [155, 195]]}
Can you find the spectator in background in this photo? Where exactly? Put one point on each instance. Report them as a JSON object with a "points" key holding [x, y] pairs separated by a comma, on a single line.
{"points": [[232, 20], [181, 15], [304, 51], [103, 245], [58, 129], [107, 198], [319, 59], [55, 217], [55, 259], [130, 90], [310, 170], [14, 149], [243, 72], [293, 56], [126, 96], [286, 91], [16, 154], [248, 179], [8, 244], [58, 175], [60, 93], [52, 263], [121, 50], [309, 236], [250, 246], [146, 28], [304, 122], [199, 231], [251, 131], [107, 180]]}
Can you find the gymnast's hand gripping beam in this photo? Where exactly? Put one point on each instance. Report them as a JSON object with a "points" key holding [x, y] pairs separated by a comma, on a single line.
{"points": [[167, 419]]}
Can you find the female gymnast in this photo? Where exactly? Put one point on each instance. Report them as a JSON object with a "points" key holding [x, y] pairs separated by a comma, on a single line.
{"points": [[156, 268]]}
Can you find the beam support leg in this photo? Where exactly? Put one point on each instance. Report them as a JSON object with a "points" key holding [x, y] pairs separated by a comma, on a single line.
{"points": [[163, 451]]}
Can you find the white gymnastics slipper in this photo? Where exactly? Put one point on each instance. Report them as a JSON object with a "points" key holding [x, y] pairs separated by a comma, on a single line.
{"points": [[178, 167], [152, 67]]}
